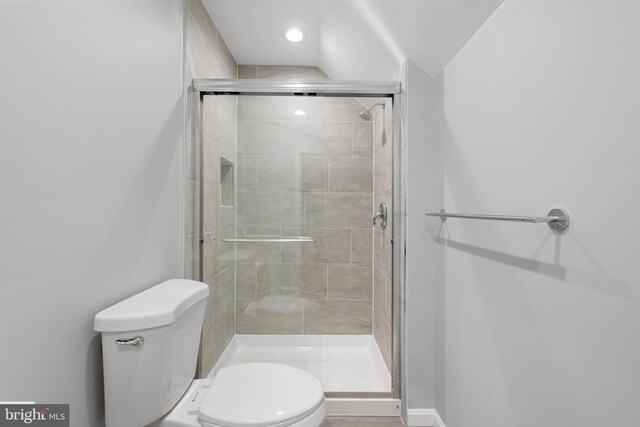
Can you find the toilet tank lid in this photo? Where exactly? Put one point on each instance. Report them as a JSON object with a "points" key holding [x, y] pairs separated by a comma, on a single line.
{"points": [[157, 306]]}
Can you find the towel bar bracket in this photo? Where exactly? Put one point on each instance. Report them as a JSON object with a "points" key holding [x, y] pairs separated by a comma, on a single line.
{"points": [[562, 222]]}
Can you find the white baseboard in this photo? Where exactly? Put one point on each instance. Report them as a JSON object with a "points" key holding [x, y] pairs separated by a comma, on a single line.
{"points": [[424, 418]]}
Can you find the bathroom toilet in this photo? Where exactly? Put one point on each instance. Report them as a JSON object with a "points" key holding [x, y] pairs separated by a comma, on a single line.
{"points": [[150, 350]]}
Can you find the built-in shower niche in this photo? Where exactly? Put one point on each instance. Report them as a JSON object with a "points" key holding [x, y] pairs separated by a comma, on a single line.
{"points": [[226, 183]]}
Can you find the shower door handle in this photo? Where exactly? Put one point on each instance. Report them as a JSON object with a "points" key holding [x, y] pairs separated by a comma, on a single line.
{"points": [[381, 215]]}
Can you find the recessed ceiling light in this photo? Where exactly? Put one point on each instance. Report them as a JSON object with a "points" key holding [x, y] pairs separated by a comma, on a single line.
{"points": [[299, 113], [294, 35]]}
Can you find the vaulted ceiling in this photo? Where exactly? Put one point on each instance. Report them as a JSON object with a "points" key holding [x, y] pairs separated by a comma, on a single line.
{"points": [[350, 39]]}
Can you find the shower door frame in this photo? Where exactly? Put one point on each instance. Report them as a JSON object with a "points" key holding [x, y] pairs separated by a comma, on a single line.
{"points": [[326, 88]]}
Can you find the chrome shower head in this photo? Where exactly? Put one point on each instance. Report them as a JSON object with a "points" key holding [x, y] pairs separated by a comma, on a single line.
{"points": [[368, 115]]}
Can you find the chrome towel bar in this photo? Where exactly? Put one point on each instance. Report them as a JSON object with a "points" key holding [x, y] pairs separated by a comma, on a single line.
{"points": [[557, 219], [284, 240]]}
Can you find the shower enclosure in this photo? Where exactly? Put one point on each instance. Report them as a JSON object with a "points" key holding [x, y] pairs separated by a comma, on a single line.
{"points": [[291, 174]]}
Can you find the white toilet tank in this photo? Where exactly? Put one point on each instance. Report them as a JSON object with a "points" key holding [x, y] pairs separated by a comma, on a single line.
{"points": [[150, 350]]}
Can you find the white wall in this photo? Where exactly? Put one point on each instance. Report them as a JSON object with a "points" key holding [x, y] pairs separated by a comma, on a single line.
{"points": [[418, 133], [541, 109], [90, 183]]}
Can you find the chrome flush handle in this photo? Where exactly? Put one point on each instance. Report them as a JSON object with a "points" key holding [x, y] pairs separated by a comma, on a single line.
{"points": [[137, 341], [381, 215]]}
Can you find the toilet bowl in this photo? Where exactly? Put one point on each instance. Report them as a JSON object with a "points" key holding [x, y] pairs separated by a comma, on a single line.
{"points": [[150, 350]]}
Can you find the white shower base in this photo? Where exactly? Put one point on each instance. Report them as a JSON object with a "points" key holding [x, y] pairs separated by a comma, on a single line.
{"points": [[343, 363]]}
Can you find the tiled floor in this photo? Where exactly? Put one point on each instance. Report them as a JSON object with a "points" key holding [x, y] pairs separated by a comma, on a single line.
{"points": [[362, 422]]}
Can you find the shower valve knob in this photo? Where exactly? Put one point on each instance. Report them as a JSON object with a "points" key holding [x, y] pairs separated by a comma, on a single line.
{"points": [[381, 215]]}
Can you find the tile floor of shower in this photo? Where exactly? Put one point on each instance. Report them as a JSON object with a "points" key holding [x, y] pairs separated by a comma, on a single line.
{"points": [[342, 363]]}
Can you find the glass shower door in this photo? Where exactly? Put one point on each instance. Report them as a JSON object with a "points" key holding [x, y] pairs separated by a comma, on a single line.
{"points": [[289, 249], [305, 177]]}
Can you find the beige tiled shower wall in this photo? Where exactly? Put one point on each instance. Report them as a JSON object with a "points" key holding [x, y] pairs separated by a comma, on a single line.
{"points": [[208, 56], [382, 185], [305, 175]]}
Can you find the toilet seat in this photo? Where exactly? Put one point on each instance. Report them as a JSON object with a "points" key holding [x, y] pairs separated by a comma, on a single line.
{"points": [[261, 395]]}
